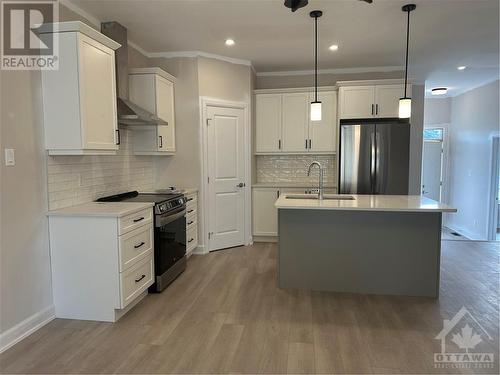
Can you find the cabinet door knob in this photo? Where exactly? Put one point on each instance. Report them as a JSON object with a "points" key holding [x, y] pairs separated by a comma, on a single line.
{"points": [[118, 139], [241, 184]]}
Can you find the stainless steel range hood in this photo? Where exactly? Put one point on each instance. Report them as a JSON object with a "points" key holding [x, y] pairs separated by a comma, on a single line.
{"points": [[128, 112]]}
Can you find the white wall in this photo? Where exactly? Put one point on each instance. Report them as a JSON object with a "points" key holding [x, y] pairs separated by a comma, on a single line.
{"points": [[474, 118]]}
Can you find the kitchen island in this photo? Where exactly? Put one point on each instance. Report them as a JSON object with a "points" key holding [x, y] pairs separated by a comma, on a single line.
{"points": [[375, 244]]}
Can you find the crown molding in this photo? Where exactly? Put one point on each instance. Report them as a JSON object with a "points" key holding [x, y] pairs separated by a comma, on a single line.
{"points": [[332, 71], [174, 54]]}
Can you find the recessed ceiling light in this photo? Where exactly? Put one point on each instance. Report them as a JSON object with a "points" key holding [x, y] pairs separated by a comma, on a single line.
{"points": [[463, 67], [230, 42], [333, 47], [439, 91]]}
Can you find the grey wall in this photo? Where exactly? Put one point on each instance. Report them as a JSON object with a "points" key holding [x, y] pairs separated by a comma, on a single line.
{"points": [[437, 111], [474, 118], [279, 82]]}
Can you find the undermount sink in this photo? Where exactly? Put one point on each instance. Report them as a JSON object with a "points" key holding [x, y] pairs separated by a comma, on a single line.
{"points": [[325, 197]]}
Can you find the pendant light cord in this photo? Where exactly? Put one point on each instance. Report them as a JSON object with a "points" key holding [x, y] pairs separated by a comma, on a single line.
{"points": [[407, 46], [316, 58]]}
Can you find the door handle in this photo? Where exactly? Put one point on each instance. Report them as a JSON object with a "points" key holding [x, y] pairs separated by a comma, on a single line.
{"points": [[118, 139], [161, 141], [241, 185], [376, 109], [138, 246], [373, 109], [140, 278]]}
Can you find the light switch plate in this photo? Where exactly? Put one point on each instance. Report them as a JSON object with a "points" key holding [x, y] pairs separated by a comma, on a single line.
{"points": [[10, 159]]}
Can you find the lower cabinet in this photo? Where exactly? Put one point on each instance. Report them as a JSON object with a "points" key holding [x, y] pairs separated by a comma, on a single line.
{"points": [[101, 265], [191, 222], [265, 215]]}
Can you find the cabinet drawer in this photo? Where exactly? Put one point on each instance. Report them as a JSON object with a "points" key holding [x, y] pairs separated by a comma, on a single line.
{"points": [[135, 245], [192, 238], [135, 220], [136, 280], [192, 203], [191, 221]]}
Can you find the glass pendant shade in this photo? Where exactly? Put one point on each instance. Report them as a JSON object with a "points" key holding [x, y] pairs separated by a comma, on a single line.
{"points": [[405, 108], [316, 111]]}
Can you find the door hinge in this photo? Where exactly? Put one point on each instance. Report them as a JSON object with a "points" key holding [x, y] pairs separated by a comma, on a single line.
{"points": [[208, 179], [208, 121], [210, 234]]}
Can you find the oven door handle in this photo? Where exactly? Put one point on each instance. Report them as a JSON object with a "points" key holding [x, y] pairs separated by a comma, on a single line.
{"points": [[165, 219]]}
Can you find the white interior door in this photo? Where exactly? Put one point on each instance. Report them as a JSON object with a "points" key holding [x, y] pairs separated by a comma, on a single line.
{"points": [[432, 170], [226, 172]]}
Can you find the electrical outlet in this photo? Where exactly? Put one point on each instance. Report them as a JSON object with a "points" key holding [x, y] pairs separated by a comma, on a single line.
{"points": [[10, 159]]}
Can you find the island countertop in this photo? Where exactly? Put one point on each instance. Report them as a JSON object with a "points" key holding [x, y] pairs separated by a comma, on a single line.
{"points": [[388, 203]]}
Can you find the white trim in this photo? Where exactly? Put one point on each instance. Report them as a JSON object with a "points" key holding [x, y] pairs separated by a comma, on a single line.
{"points": [[367, 69], [246, 106], [22, 330], [174, 54], [295, 89], [492, 218], [373, 82], [153, 70]]}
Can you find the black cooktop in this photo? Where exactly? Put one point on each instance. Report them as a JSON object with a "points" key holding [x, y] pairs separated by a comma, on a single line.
{"points": [[134, 196]]}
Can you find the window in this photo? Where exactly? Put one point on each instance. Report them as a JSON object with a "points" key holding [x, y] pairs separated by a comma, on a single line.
{"points": [[435, 134]]}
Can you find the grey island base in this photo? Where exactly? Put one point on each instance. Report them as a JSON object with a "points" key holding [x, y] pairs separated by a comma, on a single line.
{"points": [[372, 244]]}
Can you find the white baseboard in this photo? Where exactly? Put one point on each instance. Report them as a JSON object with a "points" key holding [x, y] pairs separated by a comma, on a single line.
{"points": [[464, 232], [199, 250], [15, 334]]}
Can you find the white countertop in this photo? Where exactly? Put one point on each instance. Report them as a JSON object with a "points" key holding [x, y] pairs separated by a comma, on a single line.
{"points": [[304, 185], [102, 209], [402, 203]]}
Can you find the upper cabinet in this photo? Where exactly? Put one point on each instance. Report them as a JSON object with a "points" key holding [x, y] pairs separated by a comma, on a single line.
{"points": [[371, 101], [282, 123], [153, 89], [79, 99]]}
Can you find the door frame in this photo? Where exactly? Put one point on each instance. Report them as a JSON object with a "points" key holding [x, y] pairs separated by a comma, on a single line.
{"points": [[493, 188], [445, 167], [206, 102]]}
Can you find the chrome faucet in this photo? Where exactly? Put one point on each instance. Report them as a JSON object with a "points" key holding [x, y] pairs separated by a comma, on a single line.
{"points": [[320, 190]]}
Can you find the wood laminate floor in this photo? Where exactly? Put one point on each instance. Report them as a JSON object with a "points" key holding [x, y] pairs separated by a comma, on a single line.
{"points": [[226, 315]]}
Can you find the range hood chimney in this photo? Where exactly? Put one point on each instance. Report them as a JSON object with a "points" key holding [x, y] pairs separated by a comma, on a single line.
{"points": [[128, 112]]}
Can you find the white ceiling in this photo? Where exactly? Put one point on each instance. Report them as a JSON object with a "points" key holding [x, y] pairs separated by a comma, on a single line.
{"points": [[445, 34]]}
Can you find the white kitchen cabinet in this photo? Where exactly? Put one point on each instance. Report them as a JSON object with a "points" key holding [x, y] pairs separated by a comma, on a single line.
{"points": [[387, 100], [268, 123], [79, 98], [153, 90], [295, 129], [373, 101], [283, 123], [265, 215], [357, 102], [191, 222], [322, 134], [102, 262]]}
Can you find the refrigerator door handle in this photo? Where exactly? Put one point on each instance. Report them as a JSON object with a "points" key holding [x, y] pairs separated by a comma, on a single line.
{"points": [[373, 156]]}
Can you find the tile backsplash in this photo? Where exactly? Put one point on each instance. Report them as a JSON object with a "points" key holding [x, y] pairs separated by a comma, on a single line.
{"points": [[293, 168], [79, 179]]}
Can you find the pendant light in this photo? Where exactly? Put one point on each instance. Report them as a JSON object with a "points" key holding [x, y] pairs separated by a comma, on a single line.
{"points": [[316, 110], [405, 102]]}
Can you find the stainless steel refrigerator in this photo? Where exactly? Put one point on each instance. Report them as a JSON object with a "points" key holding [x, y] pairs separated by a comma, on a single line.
{"points": [[374, 157]]}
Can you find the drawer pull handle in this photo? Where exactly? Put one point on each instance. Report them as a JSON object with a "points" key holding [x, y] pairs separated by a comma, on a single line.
{"points": [[141, 244], [191, 240], [190, 211], [140, 219], [191, 222], [140, 278]]}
